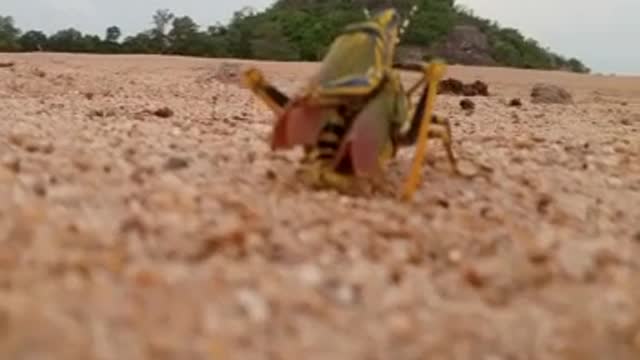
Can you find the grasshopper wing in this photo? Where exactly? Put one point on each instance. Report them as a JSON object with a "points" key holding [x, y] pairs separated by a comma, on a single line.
{"points": [[299, 124], [368, 139]]}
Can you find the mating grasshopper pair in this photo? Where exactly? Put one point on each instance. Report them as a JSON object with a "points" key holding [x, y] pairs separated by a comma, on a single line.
{"points": [[354, 114]]}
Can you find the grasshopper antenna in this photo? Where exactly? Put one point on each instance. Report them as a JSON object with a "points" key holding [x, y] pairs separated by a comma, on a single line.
{"points": [[407, 21]]}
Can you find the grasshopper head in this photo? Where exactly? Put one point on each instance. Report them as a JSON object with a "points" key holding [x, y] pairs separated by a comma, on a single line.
{"points": [[390, 21], [387, 19]]}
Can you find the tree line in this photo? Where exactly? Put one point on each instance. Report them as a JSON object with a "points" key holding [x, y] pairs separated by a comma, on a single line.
{"points": [[288, 30]]}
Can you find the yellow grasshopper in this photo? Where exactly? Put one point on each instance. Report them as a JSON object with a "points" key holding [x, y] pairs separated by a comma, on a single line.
{"points": [[354, 114]]}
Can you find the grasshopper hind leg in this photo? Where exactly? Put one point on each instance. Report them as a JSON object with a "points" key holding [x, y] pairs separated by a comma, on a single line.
{"points": [[424, 125], [441, 129]]}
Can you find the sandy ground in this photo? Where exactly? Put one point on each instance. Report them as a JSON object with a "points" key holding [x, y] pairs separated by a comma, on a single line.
{"points": [[128, 235]]}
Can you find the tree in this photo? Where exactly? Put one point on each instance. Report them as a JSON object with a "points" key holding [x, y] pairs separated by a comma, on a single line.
{"points": [[33, 40], [296, 30], [9, 34], [91, 43], [161, 19], [139, 43], [183, 35], [113, 33], [67, 40], [576, 66]]}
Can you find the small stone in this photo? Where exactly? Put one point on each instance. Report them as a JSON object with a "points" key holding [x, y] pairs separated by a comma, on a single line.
{"points": [[550, 94], [147, 279], [539, 255], [102, 113], [254, 304], [630, 120], [543, 204], [524, 144], [515, 102], [40, 189], [47, 148], [227, 72], [310, 275], [455, 256], [7, 64], [577, 263], [163, 112], [18, 139], [39, 73], [636, 341], [614, 181], [467, 169], [346, 294], [467, 104], [271, 175], [450, 86], [400, 325], [474, 278], [12, 163], [82, 164], [176, 163]]}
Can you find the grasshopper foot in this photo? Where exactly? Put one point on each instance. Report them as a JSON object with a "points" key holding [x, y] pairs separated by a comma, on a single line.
{"points": [[321, 176]]}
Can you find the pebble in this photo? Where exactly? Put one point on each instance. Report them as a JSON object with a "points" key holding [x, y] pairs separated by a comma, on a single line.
{"points": [[176, 163], [400, 325], [310, 275], [455, 256], [254, 304], [636, 341]]}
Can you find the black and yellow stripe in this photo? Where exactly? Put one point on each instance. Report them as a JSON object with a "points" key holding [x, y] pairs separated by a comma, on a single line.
{"points": [[330, 138]]}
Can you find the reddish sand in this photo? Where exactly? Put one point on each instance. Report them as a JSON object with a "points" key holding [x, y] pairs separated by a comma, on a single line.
{"points": [[126, 234]]}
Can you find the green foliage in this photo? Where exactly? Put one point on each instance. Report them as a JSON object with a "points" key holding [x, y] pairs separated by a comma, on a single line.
{"points": [[291, 30], [9, 34], [33, 40], [67, 40], [113, 33], [141, 43], [433, 21]]}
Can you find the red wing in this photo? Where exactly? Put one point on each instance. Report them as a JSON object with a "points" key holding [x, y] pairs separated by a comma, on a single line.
{"points": [[300, 124], [365, 141]]}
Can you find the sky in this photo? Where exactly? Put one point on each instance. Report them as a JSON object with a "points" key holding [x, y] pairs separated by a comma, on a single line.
{"points": [[601, 33]]}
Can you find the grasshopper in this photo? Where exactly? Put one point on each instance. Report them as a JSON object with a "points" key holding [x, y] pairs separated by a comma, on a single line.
{"points": [[354, 114]]}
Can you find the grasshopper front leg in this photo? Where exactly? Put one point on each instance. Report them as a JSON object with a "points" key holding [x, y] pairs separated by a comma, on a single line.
{"points": [[265, 91], [333, 93]]}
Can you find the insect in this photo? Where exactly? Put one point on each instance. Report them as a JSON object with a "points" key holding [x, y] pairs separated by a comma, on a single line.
{"points": [[354, 114]]}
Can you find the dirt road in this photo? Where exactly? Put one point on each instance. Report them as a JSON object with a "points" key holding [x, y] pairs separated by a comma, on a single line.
{"points": [[143, 216]]}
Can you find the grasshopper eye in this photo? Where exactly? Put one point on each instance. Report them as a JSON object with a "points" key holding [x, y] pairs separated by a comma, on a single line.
{"points": [[395, 18]]}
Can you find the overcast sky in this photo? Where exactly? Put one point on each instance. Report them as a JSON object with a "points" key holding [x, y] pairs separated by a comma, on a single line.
{"points": [[604, 34]]}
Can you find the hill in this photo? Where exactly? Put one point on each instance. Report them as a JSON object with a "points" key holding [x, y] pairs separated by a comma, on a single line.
{"points": [[302, 29], [292, 30]]}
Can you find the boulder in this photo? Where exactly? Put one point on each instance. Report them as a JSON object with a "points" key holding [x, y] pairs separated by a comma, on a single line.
{"points": [[550, 94]]}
